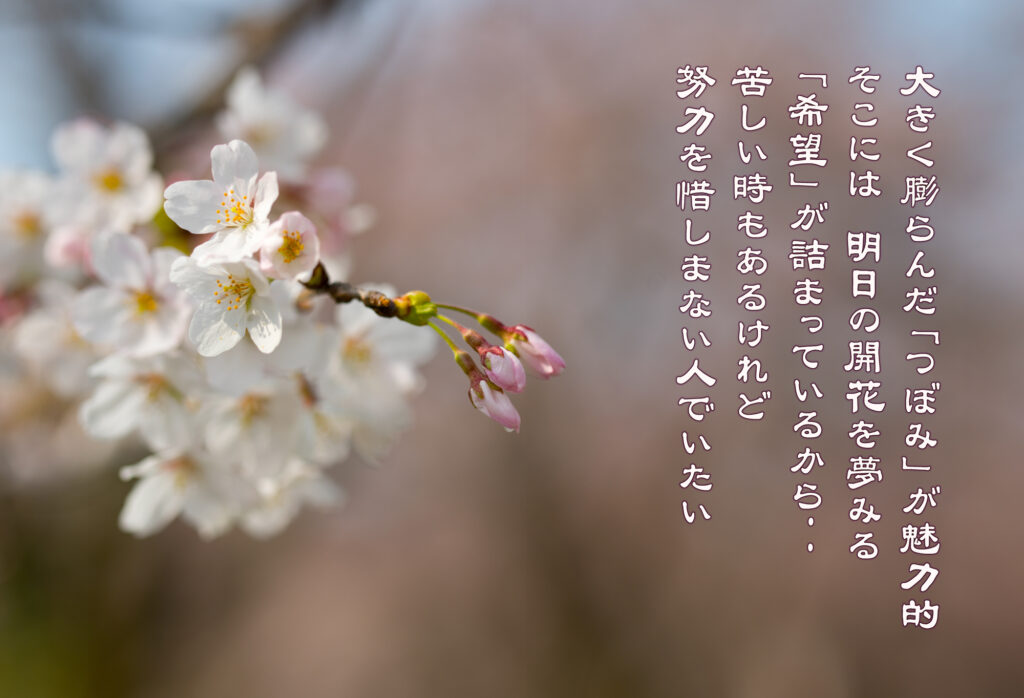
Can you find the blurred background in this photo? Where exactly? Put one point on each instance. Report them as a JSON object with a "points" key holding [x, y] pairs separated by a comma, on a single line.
{"points": [[522, 158]]}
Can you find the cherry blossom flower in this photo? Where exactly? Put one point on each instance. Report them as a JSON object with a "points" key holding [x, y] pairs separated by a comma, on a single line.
{"points": [[138, 312], [189, 483], [148, 394], [281, 501], [231, 298], [234, 205], [304, 348], [325, 431], [107, 174], [371, 371], [291, 248], [258, 429], [27, 215], [47, 341], [285, 135]]}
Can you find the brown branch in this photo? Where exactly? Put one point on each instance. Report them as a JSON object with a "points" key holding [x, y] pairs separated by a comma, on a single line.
{"points": [[342, 292], [263, 40]]}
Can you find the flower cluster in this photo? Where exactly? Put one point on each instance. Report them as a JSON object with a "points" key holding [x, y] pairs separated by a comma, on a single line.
{"points": [[243, 364], [503, 366]]}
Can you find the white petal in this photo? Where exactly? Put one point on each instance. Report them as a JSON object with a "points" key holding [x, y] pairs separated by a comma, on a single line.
{"points": [[237, 371], [310, 133], [244, 87], [400, 341], [235, 160], [113, 409], [146, 198], [193, 205], [197, 281], [127, 147], [214, 331], [224, 429], [166, 423], [121, 260], [161, 331], [114, 366], [354, 318], [229, 245], [152, 504], [251, 268], [266, 195], [163, 258], [208, 512], [264, 323], [101, 314], [149, 465], [77, 145]]}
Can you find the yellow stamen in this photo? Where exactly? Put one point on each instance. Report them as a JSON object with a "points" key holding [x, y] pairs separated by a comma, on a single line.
{"points": [[183, 469], [145, 302], [154, 384], [250, 407], [109, 180], [235, 291], [292, 246], [235, 210], [27, 225], [357, 351]]}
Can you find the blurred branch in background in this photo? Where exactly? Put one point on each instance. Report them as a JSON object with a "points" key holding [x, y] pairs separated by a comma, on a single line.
{"points": [[261, 39], [120, 59]]}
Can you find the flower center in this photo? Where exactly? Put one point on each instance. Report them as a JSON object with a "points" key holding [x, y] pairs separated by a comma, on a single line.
{"points": [[183, 468], [235, 210], [154, 383], [109, 180], [235, 291], [145, 302], [356, 350], [27, 225], [292, 246], [250, 407], [258, 134]]}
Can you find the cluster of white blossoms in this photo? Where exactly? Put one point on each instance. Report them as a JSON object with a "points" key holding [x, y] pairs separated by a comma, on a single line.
{"points": [[243, 368]]}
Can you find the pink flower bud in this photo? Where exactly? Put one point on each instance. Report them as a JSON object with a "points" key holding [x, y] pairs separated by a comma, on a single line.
{"points": [[535, 353], [503, 368], [495, 404]]}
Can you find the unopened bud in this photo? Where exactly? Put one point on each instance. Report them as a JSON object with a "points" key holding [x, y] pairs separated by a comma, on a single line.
{"points": [[416, 308], [536, 354], [495, 404]]}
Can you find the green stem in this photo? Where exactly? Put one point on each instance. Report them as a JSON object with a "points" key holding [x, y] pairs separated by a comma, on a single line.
{"points": [[445, 337], [451, 322], [465, 311], [488, 322]]}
